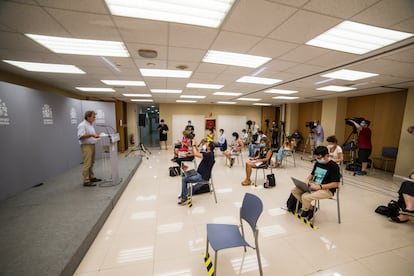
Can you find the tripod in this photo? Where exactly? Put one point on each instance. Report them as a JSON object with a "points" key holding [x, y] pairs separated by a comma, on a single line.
{"points": [[309, 141], [141, 148], [352, 137]]}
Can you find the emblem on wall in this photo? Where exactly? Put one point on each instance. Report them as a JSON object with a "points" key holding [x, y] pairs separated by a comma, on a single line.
{"points": [[73, 116], [100, 116], [47, 115], [4, 116]]}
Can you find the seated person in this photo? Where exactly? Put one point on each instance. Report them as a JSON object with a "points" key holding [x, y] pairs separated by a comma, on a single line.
{"points": [[181, 148], [323, 180], [287, 147], [256, 145], [221, 139], [297, 138], [263, 157], [235, 148], [202, 146], [203, 170], [335, 151], [210, 135], [406, 200], [245, 137]]}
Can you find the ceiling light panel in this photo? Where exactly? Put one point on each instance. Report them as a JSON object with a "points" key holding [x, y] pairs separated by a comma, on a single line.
{"points": [[208, 13], [249, 99], [235, 59], [336, 88], [95, 89], [234, 94], [123, 82], [46, 67], [204, 85], [357, 38], [185, 101], [141, 100], [165, 73], [137, 95], [257, 80], [281, 91], [192, 97], [262, 104], [226, 102], [285, 98], [75, 46], [167, 91], [350, 75]]}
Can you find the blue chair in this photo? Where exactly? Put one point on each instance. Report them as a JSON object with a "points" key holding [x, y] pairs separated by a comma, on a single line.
{"points": [[222, 236], [388, 154]]}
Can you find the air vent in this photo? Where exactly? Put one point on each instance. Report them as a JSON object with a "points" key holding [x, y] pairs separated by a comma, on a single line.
{"points": [[145, 53]]}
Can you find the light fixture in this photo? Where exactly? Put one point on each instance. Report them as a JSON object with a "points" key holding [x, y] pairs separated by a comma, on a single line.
{"points": [[123, 82], [234, 94], [262, 104], [75, 46], [208, 13], [235, 59], [166, 91], [226, 102], [185, 101], [95, 89], [137, 95], [336, 88], [249, 99], [46, 67], [281, 91], [146, 53], [141, 100], [248, 79], [204, 85], [192, 96], [165, 73], [357, 38], [350, 75], [285, 98]]}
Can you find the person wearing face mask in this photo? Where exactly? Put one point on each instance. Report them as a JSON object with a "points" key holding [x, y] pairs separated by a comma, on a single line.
{"points": [[263, 157], [335, 151], [364, 144], [163, 130], [234, 149], [323, 180]]}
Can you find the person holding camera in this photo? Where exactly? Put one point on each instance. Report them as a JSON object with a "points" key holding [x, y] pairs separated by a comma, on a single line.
{"points": [[364, 144], [319, 135]]}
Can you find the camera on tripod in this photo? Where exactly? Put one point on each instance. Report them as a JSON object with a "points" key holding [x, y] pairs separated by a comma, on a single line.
{"points": [[311, 125], [357, 120]]}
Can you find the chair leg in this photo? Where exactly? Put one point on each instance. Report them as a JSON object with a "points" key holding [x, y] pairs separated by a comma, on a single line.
{"points": [[213, 189], [215, 263], [259, 261], [338, 207]]}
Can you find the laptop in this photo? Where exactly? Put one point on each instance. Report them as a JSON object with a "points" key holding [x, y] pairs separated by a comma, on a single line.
{"points": [[301, 185]]}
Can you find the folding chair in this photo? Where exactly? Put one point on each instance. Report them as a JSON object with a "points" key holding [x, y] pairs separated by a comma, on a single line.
{"points": [[263, 167], [209, 182], [286, 154], [388, 154], [238, 156], [222, 236]]}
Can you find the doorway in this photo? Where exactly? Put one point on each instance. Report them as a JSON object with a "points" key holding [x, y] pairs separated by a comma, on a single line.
{"points": [[148, 120]]}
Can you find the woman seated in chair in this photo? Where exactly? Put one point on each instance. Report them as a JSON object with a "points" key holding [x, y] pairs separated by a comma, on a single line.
{"points": [[335, 151], [181, 148], [260, 161], [287, 147], [234, 149], [405, 200]]}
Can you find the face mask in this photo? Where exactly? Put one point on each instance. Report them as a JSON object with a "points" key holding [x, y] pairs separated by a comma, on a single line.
{"points": [[262, 145], [362, 124], [204, 147], [320, 160]]}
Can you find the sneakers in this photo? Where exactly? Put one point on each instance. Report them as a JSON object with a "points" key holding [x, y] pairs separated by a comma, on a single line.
{"points": [[360, 173], [231, 162], [308, 214], [96, 179], [304, 214], [89, 184], [182, 202], [311, 212]]}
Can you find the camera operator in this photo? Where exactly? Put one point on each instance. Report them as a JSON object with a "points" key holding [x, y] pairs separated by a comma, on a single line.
{"points": [[364, 144], [319, 136]]}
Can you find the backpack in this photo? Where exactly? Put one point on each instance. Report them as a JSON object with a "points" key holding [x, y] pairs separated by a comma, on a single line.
{"points": [[291, 203], [270, 181], [201, 188]]}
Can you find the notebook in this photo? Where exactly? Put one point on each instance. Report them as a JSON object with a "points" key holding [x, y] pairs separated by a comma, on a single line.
{"points": [[301, 185]]}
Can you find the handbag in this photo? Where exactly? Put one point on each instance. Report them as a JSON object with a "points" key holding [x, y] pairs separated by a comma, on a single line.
{"points": [[270, 181], [174, 171]]}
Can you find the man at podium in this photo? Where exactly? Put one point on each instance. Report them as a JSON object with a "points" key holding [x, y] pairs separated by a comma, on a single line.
{"points": [[87, 140]]}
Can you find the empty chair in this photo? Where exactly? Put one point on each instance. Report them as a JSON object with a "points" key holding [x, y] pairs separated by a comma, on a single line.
{"points": [[388, 154], [287, 154], [222, 236]]}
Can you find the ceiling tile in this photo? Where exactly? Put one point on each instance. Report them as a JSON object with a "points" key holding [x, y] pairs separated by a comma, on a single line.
{"points": [[191, 36], [339, 8]]}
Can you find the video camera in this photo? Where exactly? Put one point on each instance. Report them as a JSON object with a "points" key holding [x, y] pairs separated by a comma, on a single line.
{"points": [[310, 125], [357, 120]]}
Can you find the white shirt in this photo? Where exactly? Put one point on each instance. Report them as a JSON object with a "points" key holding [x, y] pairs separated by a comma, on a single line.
{"points": [[334, 155], [85, 128]]}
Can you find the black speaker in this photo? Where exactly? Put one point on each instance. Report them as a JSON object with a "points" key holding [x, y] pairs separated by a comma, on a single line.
{"points": [[141, 120]]}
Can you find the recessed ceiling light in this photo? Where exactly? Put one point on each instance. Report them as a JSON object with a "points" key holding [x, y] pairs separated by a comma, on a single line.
{"points": [[357, 38], [165, 73], [235, 94], [350, 75], [249, 99], [65, 45], [141, 100], [226, 102], [147, 53], [123, 82], [336, 88], [235, 59], [46, 67], [192, 96], [166, 91], [208, 13], [262, 104], [281, 91], [95, 89], [137, 95], [248, 79], [285, 98], [204, 85], [185, 101]]}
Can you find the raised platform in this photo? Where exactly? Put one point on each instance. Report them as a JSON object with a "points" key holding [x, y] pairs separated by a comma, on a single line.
{"points": [[47, 230]]}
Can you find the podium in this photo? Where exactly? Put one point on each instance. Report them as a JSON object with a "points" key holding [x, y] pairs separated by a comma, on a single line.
{"points": [[113, 157]]}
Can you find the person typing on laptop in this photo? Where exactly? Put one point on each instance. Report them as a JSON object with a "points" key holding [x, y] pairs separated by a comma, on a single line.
{"points": [[323, 181]]}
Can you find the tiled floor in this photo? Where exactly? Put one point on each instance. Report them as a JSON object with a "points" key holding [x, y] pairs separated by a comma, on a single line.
{"points": [[149, 234]]}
